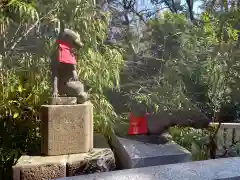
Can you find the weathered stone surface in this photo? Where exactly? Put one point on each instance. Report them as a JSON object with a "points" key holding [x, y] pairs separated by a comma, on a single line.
{"points": [[98, 160], [38, 168], [144, 151], [67, 129], [62, 100], [218, 169]]}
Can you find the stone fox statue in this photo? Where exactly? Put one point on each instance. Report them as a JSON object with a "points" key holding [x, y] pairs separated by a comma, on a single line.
{"points": [[63, 66]]}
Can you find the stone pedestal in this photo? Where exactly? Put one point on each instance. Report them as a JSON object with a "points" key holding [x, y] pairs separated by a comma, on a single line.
{"points": [[66, 129], [99, 159]]}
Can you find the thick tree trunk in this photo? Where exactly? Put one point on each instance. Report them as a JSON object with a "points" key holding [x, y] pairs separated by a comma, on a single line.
{"points": [[159, 123]]}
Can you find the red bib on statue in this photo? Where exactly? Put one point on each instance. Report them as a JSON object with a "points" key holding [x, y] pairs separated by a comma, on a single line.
{"points": [[137, 125], [64, 53]]}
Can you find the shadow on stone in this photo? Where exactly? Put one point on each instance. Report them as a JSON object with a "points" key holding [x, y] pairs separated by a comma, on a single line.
{"points": [[120, 129], [149, 139]]}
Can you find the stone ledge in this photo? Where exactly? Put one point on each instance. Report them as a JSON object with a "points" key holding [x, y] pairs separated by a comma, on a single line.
{"points": [[217, 169], [100, 159]]}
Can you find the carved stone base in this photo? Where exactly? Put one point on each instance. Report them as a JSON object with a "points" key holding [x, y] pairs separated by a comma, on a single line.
{"points": [[38, 168], [66, 129], [62, 100]]}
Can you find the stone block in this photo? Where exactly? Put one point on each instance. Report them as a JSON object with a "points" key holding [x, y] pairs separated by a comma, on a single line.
{"points": [[66, 129], [144, 151], [62, 100], [217, 169], [40, 167], [98, 160]]}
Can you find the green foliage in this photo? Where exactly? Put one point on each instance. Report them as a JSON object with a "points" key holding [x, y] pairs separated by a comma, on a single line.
{"points": [[193, 140], [197, 141], [236, 149], [17, 10], [195, 66], [25, 77], [183, 66]]}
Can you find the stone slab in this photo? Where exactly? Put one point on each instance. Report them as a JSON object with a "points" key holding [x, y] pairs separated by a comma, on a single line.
{"points": [[38, 167], [135, 152], [62, 100], [218, 169], [66, 129]]}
